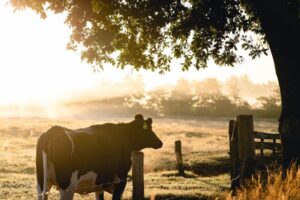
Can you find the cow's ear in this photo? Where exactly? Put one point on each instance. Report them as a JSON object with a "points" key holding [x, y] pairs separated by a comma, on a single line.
{"points": [[149, 121], [139, 117]]}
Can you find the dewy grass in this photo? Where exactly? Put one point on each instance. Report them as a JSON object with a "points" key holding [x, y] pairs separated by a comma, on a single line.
{"points": [[271, 188], [204, 148]]}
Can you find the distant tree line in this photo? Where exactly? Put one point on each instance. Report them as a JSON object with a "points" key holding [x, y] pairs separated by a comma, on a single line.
{"points": [[194, 98]]}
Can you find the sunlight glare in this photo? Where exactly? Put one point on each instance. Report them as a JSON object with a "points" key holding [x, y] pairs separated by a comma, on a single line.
{"points": [[36, 67]]}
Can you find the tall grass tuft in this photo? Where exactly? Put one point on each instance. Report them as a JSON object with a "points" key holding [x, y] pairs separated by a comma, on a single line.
{"points": [[273, 187]]}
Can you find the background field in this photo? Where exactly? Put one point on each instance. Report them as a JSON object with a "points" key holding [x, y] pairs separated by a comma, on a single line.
{"points": [[204, 147]]}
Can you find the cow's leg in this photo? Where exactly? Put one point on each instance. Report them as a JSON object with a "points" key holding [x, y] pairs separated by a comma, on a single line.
{"points": [[40, 194], [118, 190], [66, 194], [99, 195]]}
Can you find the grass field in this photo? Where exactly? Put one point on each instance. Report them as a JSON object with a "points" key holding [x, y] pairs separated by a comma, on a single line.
{"points": [[204, 147]]}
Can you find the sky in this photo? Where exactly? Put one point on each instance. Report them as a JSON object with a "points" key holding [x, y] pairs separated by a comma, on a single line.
{"points": [[36, 67]]}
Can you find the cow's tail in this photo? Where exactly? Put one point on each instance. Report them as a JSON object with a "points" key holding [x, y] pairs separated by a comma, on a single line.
{"points": [[45, 175], [42, 167]]}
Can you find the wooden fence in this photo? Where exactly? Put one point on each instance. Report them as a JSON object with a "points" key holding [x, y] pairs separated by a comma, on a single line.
{"points": [[244, 142], [247, 150], [137, 158], [268, 141], [179, 159]]}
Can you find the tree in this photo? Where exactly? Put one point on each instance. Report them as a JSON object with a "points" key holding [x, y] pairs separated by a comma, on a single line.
{"points": [[269, 105], [233, 87], [207, 86], [182, 90], [149, 33]]}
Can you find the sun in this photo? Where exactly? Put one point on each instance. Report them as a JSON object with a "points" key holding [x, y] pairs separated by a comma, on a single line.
{"points": [[35, 65]]}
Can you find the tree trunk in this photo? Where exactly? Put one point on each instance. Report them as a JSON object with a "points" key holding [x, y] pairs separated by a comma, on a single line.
{"points": [[282, 30]]}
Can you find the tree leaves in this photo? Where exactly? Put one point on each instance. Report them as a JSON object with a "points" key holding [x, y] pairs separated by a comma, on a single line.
{"points": [[149, 33]]}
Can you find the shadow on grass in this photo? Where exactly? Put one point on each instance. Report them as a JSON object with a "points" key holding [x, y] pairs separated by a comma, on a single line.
{"points": [[188, 134], [27, 170], [173, 197], [217, 167], [177, 174]]}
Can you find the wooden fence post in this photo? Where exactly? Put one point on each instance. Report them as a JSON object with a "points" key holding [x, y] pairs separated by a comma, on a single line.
{"points": [[179, 159], [274, 147], [246, 149], [262, 141], [233, 149], [137, 175]]}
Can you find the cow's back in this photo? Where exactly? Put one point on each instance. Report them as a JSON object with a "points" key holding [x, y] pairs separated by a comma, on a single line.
{"points": [[97, 150]]}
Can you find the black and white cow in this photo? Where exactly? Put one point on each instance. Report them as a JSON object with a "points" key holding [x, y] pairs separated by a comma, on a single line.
{"points": [[93, 159]]}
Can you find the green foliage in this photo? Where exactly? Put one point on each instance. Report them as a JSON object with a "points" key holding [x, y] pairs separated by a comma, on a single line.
{"points": [[270, 105], [149, 33], [191, 99]]}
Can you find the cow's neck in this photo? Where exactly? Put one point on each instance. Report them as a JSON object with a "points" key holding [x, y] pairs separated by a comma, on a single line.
{"points": [[126, 138]]}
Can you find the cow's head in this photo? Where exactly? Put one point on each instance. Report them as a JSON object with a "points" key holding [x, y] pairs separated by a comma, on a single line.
{"points": [[144, 137]]}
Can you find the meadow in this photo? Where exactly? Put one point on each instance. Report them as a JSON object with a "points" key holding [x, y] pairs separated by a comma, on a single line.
{"points": [[204, 147]]}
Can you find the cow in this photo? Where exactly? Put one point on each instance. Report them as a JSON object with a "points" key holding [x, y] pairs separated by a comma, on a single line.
{"points": [[93, 159]]}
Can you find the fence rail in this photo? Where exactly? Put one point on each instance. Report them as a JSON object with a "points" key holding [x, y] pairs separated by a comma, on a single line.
{"points": [[264, 135], [273, 143], [267, 145]]}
